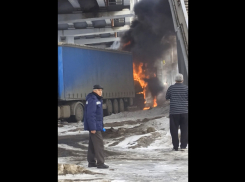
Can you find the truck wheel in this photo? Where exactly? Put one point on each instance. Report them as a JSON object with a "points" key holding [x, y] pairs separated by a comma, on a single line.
{"points": [[115, 106], [121, 105], [109, 107], [79, 112]]}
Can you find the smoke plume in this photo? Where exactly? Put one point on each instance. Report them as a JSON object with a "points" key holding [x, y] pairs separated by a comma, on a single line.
{"points": [[150, 36], [150, 32]]}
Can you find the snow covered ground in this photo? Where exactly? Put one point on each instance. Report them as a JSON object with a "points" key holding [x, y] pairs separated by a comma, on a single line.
{"points": [[132, 153]]}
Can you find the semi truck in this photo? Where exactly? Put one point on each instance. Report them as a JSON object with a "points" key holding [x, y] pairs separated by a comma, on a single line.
{"points": [[80, 67]]}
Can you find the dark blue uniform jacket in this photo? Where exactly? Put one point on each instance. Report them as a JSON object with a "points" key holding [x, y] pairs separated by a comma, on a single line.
{"points": [[93, 113]]}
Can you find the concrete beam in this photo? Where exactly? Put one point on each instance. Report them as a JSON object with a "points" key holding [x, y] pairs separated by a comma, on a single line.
{"points": [[71, 18], [92, 31], [108, 21], [96, 40], [90, 24], [74, 3], [101, 3]]}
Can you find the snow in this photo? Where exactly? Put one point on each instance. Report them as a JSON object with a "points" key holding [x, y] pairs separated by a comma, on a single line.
{"points": [[130, 141], [124, 126], [68, 147], [66, 129], [155, 162], [78, 176]]}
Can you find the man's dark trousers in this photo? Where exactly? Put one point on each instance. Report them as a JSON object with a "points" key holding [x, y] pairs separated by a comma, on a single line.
{"points": [[177, 120], [95, 148]]}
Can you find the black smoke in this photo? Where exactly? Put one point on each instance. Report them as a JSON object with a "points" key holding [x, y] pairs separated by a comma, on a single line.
{"points": [[150, 36], [154, 86], [150, 32]]}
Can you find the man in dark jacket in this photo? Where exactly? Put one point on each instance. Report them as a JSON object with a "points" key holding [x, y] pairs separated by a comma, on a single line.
{"points": [[178, 95], [93, 122]]}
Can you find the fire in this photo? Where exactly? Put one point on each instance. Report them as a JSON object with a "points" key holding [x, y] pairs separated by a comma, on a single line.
{"points": [[140, 93], [139, 76], [155, 102], [129, 42]]}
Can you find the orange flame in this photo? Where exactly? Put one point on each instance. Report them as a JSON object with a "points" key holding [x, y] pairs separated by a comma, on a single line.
{"points": [[140, 93], [129, 42], [155, 102], [139, 75]]}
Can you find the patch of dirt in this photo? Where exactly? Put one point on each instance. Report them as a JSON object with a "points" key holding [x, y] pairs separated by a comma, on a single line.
{"points": [[72, 140], [126, 132], [130, 122], [64, 152], [115, 133], [108, 153], [145, 141], [150, 129], [77, 129]]}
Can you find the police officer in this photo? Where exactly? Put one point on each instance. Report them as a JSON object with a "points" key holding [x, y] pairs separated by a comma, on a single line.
{"points": [[93, 122]]}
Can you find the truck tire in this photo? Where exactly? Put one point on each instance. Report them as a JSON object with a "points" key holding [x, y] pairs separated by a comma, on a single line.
{"points": [[78, 113], [115, 106], [109, 107], [121, 105]]}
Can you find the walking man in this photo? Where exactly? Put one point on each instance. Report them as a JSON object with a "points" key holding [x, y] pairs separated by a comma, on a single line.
{"points": [[178, 95], [93, 122]]}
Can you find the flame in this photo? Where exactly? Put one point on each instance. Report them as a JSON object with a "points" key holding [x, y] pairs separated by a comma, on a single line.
{"points": [[129, 42], [140, 93], [155, 102], [139, 75]]}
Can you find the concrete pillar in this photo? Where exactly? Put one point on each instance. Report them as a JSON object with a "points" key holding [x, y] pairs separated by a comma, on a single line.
{"points": [[70, 39]]}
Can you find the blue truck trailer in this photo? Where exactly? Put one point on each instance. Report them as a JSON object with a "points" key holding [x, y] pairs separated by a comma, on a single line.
{"points": [[80, 67]]}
